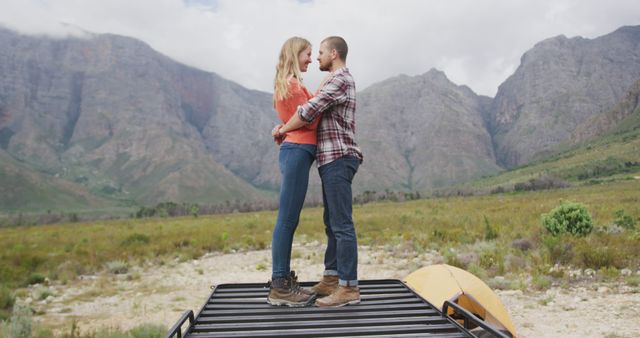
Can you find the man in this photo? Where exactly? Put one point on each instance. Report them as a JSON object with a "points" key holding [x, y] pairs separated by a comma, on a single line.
{"points": [[338, 159]]}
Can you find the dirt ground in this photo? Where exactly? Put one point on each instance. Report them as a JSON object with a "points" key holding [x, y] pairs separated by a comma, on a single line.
{"points": [[160, 294]]}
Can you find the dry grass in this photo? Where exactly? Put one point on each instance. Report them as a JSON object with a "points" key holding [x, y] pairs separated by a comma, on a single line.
{"points": [[454, 226]]}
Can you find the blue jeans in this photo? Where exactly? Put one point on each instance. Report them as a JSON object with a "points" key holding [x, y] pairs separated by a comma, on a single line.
{"points": [[295, 163], [341, 255]]}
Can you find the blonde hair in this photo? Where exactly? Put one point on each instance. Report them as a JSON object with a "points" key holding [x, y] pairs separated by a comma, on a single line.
{"points": [[288, 66]]}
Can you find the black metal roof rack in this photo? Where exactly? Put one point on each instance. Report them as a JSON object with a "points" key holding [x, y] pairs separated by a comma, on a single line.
{"points": [[387, 308]]}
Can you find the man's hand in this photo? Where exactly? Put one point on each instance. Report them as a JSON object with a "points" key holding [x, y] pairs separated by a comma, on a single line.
{"points": [[275, 133]]}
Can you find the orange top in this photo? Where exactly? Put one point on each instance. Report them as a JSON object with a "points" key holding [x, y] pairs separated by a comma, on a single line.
{"points": [[298, 94]]}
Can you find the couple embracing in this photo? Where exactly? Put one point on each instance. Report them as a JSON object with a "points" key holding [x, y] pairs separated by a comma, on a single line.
{"points": [[316, 127]]}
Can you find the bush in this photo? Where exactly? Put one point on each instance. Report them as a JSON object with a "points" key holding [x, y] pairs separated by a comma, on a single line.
{"points": [[560, 250], [36, 278], [489, 231], [624, 220], [572, 218], [43, 293], [7, 299]]}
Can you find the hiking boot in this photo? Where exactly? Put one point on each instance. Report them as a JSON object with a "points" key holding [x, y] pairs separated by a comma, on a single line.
{"points": [[295, 285], [281, 292], [326, 286], [344, 295]]}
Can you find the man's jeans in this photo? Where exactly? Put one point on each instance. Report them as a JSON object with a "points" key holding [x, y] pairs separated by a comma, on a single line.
{"points": [[341, 256], [295, 162]]}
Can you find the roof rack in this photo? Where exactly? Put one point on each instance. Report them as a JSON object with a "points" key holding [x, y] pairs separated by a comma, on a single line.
{"points": [[387, 308]]}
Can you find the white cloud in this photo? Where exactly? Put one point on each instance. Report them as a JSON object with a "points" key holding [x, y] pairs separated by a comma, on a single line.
{"points": [[477, 43]]}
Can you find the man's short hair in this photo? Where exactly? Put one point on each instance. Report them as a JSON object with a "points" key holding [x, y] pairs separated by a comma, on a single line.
{"points": [[338, 43]]}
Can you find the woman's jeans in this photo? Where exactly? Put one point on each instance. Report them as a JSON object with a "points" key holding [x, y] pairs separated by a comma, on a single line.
{"points": [[295, 163], [341, 255]]}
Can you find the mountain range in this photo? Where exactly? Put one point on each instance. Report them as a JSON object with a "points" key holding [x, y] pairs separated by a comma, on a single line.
{"points": [[105, 120]]}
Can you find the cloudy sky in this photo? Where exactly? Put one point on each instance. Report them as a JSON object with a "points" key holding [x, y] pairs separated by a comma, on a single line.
{"points": [[475, 42]]}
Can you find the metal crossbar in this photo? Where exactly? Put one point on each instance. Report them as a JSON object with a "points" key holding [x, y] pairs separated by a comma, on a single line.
{"points": [[469, 318], [387, 308]]}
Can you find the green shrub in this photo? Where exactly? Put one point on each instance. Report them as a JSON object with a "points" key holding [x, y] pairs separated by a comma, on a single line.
{"points": [[488, 259], [560, 249], [489, 231], [195, 210], [609, 272], [572, 218], [624, 220], [36, 278], [7, 299], [43, 293]]}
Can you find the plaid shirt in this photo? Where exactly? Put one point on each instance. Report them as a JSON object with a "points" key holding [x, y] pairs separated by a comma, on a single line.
{"points": [[336, 101]]}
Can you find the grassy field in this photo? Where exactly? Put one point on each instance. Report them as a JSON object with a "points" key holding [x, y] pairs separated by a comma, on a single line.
{"points": [[482, 226]]}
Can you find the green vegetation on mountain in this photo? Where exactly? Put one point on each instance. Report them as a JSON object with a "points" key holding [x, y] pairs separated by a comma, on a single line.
{"points": [[24, 187], [612, 156]]}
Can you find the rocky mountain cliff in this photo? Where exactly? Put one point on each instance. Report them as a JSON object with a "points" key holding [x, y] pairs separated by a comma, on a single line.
{"points": [[560, 83], [608, 121], [111, 113], [422, 132], [107, 118]]}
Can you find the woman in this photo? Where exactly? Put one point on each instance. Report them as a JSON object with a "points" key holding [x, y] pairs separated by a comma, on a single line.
{"points": [[297, 153]]}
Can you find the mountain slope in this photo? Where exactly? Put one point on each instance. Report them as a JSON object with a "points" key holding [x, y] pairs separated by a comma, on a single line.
{"points": [[559, 84], [26, 189], [613, 154], [111, 113], [620, 117]]}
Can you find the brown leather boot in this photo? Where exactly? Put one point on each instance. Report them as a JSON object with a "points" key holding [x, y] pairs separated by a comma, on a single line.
{"points": [[326, 286], [344, 295], [281, 292], [294, 284]]}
